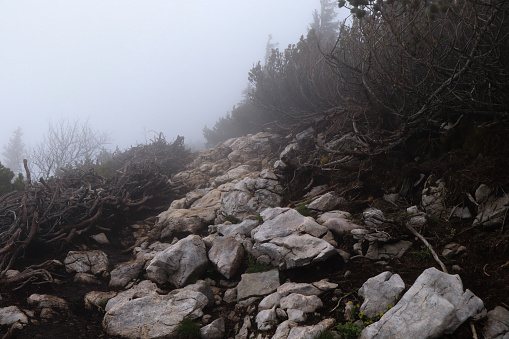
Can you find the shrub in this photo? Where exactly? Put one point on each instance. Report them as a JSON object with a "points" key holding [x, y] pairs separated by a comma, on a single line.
{"points": [[188, 329]]}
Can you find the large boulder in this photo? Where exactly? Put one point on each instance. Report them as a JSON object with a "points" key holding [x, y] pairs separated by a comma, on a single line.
{"points": [[94, 262], [226, 255], [435, 305], [257, 284], [492, 209], [179, 263], [497, 324], [379, 292], [285, 224], [123, 273], [176, 221], [251, 195], [293, 251], [155, 316]]}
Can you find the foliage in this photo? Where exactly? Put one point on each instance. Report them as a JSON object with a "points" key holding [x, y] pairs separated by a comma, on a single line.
{"points": [[302, 209], [398, 69], [6, 176], [188, 329], [420, 64], [349, 330], [352, 329], [245, 118], [14, 152], [423, 254], [254, 267]]}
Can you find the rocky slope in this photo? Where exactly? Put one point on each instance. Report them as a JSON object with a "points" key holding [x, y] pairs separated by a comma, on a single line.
{"points": [[231, 257]]}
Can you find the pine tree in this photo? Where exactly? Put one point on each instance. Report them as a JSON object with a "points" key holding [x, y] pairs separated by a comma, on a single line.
{"points": [[324, 23], [6, 176], [14, 152]]}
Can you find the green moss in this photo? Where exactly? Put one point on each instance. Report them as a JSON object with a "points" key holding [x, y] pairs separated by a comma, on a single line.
{"points": [[254, 267], [325, 335], [302, 209], [349, 330], [188, 329]]}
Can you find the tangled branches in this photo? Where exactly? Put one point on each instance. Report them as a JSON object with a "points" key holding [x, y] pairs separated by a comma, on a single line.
{"points": [[58, 210]]}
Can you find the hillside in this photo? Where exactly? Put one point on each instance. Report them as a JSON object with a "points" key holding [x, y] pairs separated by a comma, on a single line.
{"points": [[359, 211]]}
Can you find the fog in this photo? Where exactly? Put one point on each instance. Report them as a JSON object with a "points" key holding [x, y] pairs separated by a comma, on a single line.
{"points": [[132, 68]]}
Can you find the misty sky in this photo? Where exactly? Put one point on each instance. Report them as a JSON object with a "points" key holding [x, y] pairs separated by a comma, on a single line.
{"points": [[132, 66]]}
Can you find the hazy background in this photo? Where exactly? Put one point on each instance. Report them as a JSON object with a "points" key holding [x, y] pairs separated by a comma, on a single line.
{"points": [[131, 67]]}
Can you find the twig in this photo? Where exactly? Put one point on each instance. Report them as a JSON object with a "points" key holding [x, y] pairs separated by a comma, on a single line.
{"points": [[427, 244], [474, 332]]}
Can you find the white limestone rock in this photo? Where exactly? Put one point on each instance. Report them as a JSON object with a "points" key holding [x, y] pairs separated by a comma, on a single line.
{"points": [[436, 304], [179, 263], [95, 262], [379, 292]]}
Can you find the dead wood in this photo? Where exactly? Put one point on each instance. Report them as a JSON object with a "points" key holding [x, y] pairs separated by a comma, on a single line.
{"points": [[59, 210]]}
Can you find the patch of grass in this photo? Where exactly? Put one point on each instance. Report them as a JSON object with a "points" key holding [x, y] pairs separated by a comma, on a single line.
{"points": [[302, 209], [259, 218], [188, 329], [349, 330], [254, 267], [423, 254], [325, 335], [232, 219]]}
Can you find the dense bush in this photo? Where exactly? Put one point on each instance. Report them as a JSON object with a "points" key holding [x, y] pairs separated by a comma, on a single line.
{"points": [[397, 68]]}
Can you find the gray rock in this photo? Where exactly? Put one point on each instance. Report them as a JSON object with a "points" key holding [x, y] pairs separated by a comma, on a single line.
{"points": [[244, 330], [310, 332], [286, 224], [47, 301], [10, 315], [294, 250], [435, 305], [305, 303], [244, 228], [493, 212], [230, 295], [214, 330], [201, 286], [123, 273], [155, 316], [86, 278], [193, 221], [283, 330], [433, 196], [333, 215], [250, 196], [257, 284], [298, 316], [179, 263], [300, 288], [341, 226], [327, 202], [497, 324], [266, 319], [235, 173], [226, 254], [101, 239], [377, 251], [270, 301], [94, 262], [143, 289], [379, 292], [97, 300], [373, 217]]}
